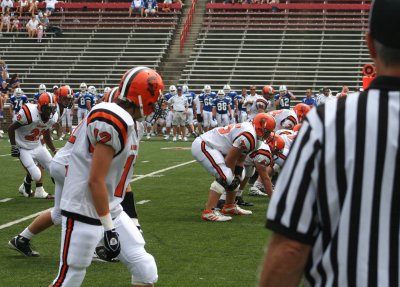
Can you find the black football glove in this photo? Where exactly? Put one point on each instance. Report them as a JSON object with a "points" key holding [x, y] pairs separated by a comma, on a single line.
{"points": [[111, 243], [14, 151]]}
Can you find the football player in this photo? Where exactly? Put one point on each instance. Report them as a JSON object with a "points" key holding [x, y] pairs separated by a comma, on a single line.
{"points": [[81, 101], [33, 121], [232, 95], [42, 89], [285, 119], [100, 166], [191, 107], [283, 99], [222, 111], [17, 101], [206, 100], [251, 103], [240, 108], [168, 119], [222, 152], [301, 110]]}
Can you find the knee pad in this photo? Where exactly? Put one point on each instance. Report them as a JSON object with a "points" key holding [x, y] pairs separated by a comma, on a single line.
{"points": [[217, 187], [35, 173], [56, 216], [144, 271]]}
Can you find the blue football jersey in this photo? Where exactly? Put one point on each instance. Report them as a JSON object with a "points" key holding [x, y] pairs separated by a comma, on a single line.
{"points": [[190, 97], [207, 101], [284, 103], [232, 95], [222, 105], [18, 102], [241, 107], [36, 97], [89, 97]]}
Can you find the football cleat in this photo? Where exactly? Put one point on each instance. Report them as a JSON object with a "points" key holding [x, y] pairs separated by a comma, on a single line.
{"points": [[214, 215], [166, 137], [22, 191], [234, 209], [185, 139], [41, 193], [101, 255], [22, 245], [174, 139], [254, 191], [241, 202]]}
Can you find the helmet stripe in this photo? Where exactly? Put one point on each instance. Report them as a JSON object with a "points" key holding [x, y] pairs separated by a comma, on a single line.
{"points": [[128, 81]]}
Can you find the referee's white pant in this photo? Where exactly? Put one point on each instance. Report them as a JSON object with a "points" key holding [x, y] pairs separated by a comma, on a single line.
{"points": [[57, 172], [79, 241], [39, 154], [81, 114], [212, 160]]}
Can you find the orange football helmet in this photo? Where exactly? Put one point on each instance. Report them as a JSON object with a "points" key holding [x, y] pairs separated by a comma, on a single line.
{"points": [[111, 96], [142, 86], [301, 111], [262, 104], [268, 90], [263, 124], [46, 105], [64, 96], [297, 127], [275, 142]]}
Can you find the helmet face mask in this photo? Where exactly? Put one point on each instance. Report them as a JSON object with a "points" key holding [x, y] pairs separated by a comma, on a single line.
{"points": [[207, 89], [18, 92], [173, 90], [42, 89], [301, 111], [64, 96], [46, 106], [83, 87], [227, 89], [221, 94]]}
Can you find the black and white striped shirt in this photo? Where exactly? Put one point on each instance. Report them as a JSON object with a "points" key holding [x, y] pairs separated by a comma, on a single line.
{"points": [[339, 190]]}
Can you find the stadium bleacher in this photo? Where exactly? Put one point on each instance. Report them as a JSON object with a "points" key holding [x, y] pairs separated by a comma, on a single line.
{"points": [[303, 45]]}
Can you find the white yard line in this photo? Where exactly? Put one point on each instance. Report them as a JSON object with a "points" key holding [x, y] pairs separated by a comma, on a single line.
{"points": [[135, 179], [6, 199], [21, 219], [143, 201]]}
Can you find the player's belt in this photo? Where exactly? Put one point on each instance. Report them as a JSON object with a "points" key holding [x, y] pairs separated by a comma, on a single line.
{"points": [[81, 218]]}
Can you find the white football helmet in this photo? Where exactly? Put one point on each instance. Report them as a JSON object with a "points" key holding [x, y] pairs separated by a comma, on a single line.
{"points": [[227, 89], [92, 90], [207, 89], [221, 94], [185, 88], [18, 92], [106, 90], [282, 89], [42, 89], [83, 87], [172, 90]]}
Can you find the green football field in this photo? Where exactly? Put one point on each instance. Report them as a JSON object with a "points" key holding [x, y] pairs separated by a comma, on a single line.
{"points": [[188, 251]]}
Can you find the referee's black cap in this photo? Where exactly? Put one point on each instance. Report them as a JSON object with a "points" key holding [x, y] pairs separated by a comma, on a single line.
{"points": [[384, 23]]}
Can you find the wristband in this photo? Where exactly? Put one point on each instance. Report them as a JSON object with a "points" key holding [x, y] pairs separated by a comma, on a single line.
{"points": [[107, 222], [238, 170]]}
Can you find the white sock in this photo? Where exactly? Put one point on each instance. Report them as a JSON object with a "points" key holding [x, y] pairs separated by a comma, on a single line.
{"points": [[223, 196], [239, 192], [27, 234], [258, 184]]}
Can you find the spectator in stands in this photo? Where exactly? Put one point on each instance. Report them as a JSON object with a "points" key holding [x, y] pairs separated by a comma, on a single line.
{"points": [[24, 6], [32, 26], [4, 70], [33, 6], [14, 82], [7, 6], [310, 99], [15, 24], [44, 21], [137, 7], [51, 6], [343, 93], [5, 22], [3, 97], [150, 8], [40, 33]]}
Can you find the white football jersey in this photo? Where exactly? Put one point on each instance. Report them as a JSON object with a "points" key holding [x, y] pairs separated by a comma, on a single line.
{"points": [[280, 157], [288, 140], [242, 136], [109, 124], [285, 119], [251, 104], [28, 135], [262, 155]]}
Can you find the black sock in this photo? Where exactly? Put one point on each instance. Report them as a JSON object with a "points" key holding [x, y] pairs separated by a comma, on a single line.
{"points": [[28, 183], [39, 184], [128, 204]]}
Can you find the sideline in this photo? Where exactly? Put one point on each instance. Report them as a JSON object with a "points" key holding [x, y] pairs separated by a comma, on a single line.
{"points": [[135, 179]]}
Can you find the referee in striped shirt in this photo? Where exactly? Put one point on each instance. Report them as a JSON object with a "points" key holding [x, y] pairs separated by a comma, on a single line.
{"points": [[335, 212]]}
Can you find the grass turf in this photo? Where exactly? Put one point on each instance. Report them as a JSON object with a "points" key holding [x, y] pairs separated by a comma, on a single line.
{"points": [[189, 252]]}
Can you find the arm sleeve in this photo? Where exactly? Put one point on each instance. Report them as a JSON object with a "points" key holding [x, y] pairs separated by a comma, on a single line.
{"points": [[292, 211], [245, 142]]}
